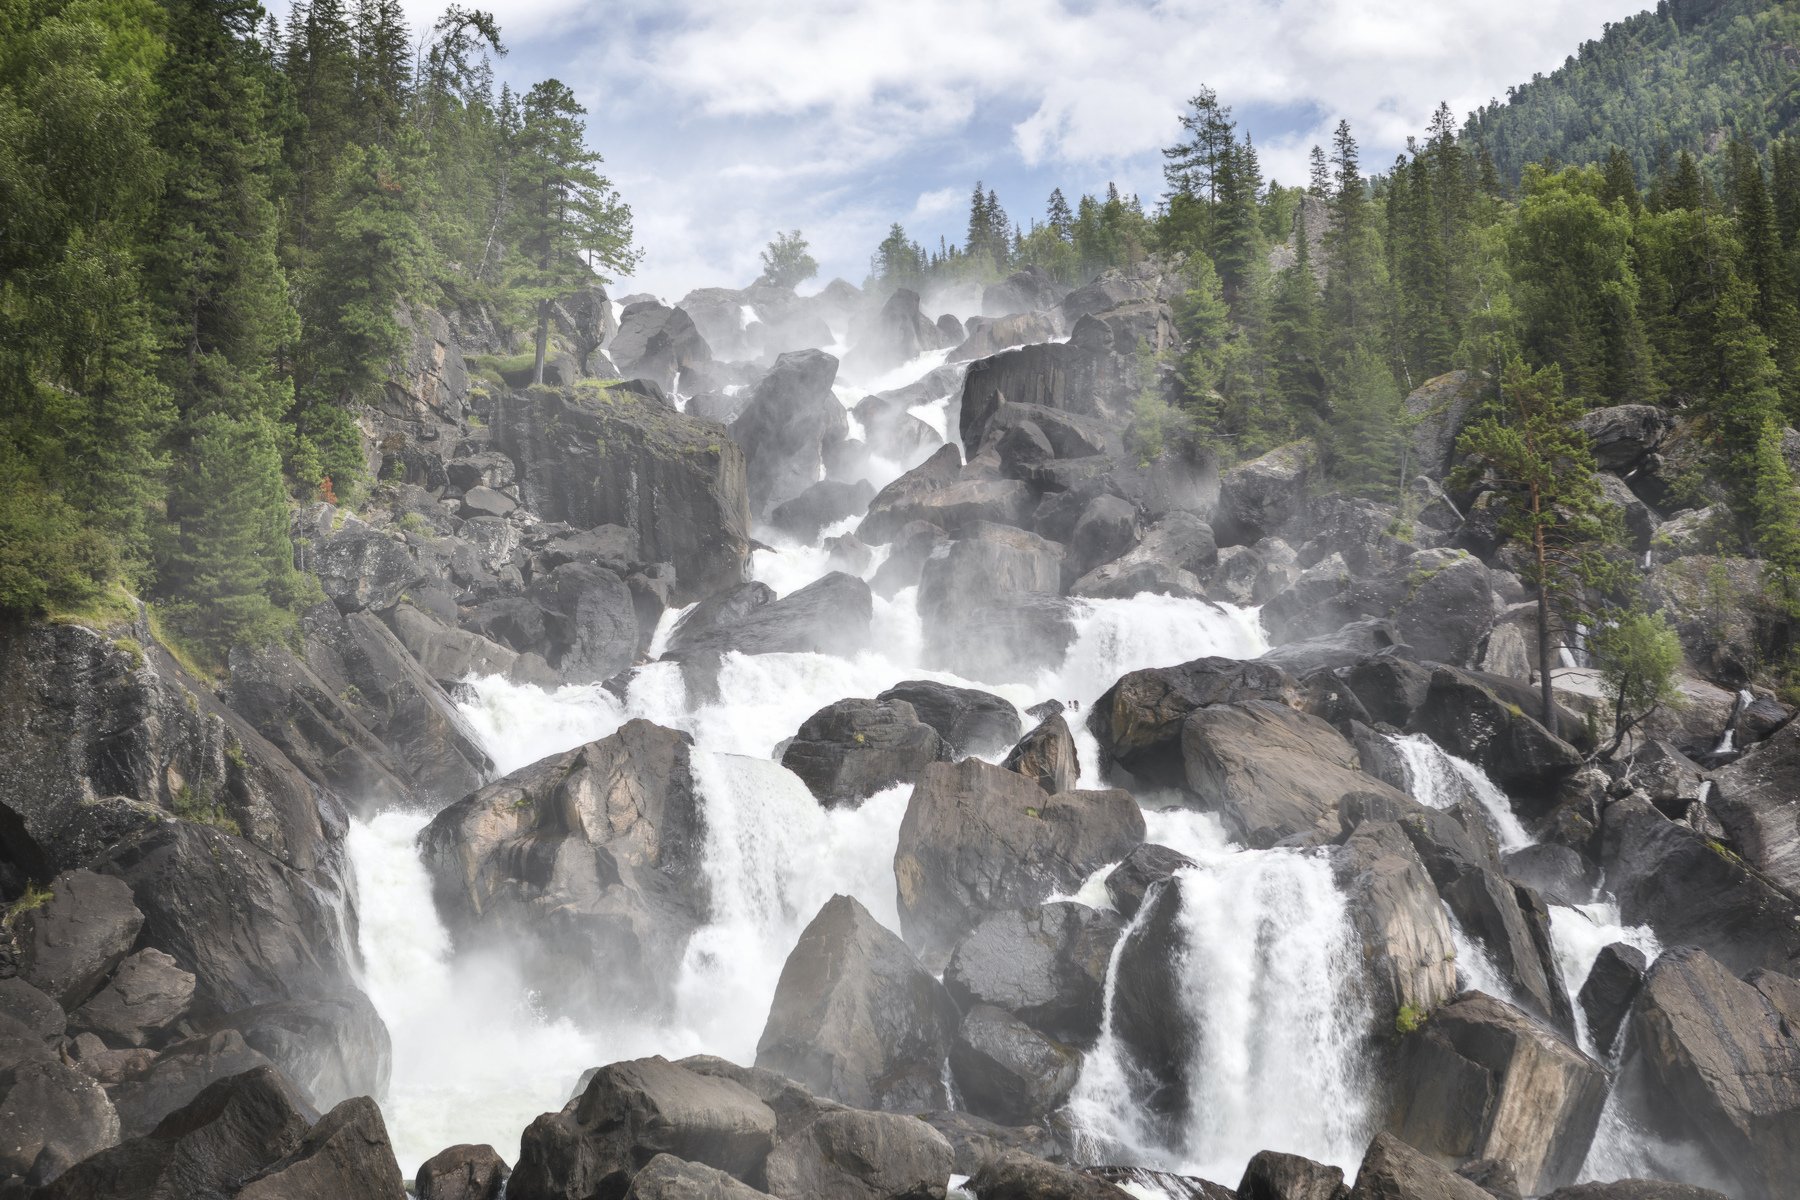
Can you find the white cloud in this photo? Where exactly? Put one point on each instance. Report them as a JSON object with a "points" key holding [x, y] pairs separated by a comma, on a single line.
{"points": [[724, 120]]}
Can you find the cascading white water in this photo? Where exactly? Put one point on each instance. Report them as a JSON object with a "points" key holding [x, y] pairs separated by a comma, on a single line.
{"points": [[1269, 967], [1438, 779]]}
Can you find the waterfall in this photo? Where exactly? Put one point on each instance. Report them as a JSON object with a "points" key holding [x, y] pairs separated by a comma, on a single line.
{"points": [[1438, 779], [1270, 971]]}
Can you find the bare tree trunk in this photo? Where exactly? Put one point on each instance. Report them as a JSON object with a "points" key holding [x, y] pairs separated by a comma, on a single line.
{"points": [[543, 338], [1543, 621]]}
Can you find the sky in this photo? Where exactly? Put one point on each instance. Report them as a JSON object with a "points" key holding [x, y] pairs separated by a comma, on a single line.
{"points": [[725, 121]]}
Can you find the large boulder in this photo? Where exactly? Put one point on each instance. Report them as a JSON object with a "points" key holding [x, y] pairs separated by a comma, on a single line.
{"points": [[985, 561], [1482, 1080], [828, 616], [1270, 772], [143, 1000], [1019, 328], [629, 1113], [1408, 950], [590, 622], [346, 1156], [1047, 755], [658, 343], [970, 721], [1467, 717], [1609, 990], [851, 749], [463, 1173], [953, 505], [1138, 720], [896, 335], [1722, 1061], [856, 1017], [1174, 557], [1006, 637], [790, 424], [1272, 1175], [593, 457], [1623, 435], [1007, 1071], [1756, 800], [666, 1177], [978, 839], [1393, 1170], [1436, 410], [860, 1156], [364, 568], [824, 503], [51, 1116], [1015, 1175], [1258, 497], [1045, 965], [1694, 891], [1149, 864], [1441, 602], [180, 1073], [590, 857], [71, 943], [224, 1135], [1093, 374]]}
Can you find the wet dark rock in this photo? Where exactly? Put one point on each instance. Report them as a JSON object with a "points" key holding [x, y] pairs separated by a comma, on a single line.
{"points": [[1393, 1170], [1047, 755], [1482, 1079], [446, 653], [586, 857], [861, 1156], [1045, 965], [1722, 1062], [1467, 717], [51, 1116], [824, 503], [916, 542], [1107, 529], [978, 839], [618, 458], [142, 1001], [346, 1156], [953, 506], [1695, 891], [1144, 867], [856, 1017], [180, 1073], [1635, 1189], [658, 343], [1409, 954], [1624, 434], [72, 942], [331, 1047], [227, 1133], [1093, 374], [1272, 1175], [1006, 1070], [976, 1140], [360, 568], [790, 423], [794, 1107], [986, 561], [900, 502], [631, 1112], [1438, 409], [1563, 875], [31, 1008], [851, 749], [1611, 987], [590, 622], [828, 616], [353, 710], [463, 1173], [1754, 799], [1440, 601], [970, 721], [1138, 720], [1003, 333], [666, 1177], [1257, 497], [1018, 1176], [1174, 557], [1271, 772]]}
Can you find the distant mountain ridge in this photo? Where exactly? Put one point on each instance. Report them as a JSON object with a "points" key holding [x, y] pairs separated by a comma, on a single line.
{"points": [[1683, 76]]}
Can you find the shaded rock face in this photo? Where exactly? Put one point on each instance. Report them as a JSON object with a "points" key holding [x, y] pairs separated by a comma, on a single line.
{"points": [[849, 750], [659, 344], [1138, 720], [228, 1133], [1047, 755], [1174, 557], [1270, 772], [1722, 1060], [594, 457], [1018, 1176], [347, 1154], [1093, 374], [629, 1113], [51, 1115], [1482, 1080], [1441, 602], [1607, 993], [1467, 718], [828, 616], [978, 839], [1438, 409], [1145, 866], [1692, 891], [100, 739], [860, 1156], [359, 567], [1029, 289], [986, 560], [463, 1173], [145, 997], [587, 857], [1393, 1170], [1008, 1071], [856, 1017], [1257, 497], [1272, 1175], [70, 944], [666, 1177], [1754, 799], [969, 721], [1408, 950], [791, 422], [824, 503], [1624, 434], [1045, 965]]}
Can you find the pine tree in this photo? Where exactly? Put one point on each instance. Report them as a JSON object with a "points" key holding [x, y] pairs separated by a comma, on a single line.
{"points": [[1529, 448], [569, 221], [1366, 433], [1193, 164], [1319, 179], [1296, 339], [1061, 220], [1620, 186]]}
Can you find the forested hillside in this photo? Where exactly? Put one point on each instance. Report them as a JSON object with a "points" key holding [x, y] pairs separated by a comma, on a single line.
{"points": [[211, 226], [1687, 76]]}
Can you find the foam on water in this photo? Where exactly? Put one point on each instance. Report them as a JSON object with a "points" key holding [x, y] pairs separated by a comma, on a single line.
{"points": [[1578, 935], [1268, 965]]}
